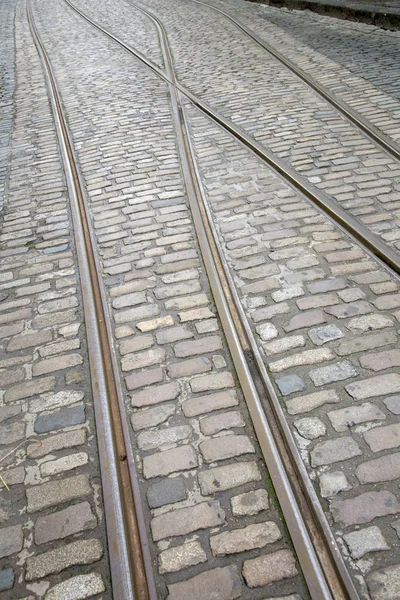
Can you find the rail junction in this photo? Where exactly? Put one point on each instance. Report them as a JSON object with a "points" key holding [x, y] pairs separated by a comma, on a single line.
{"points": [[199, 304]]}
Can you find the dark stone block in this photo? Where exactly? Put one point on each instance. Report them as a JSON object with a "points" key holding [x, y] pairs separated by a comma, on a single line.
{"points": [[166, 492]]}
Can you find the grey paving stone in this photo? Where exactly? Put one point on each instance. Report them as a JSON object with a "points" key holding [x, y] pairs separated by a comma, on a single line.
{"points": [[216, 584], [332, 451], [149, 440], [288, 384], [61, 524], [57, 492], [345, 418], [205, 404], [77, 588], [62, 418], [227, 446], [182, 458], [185, 520], [247, 538], [384, 584], [376, 386], [310, 428], [7, 578], [366, 342], [155, 394], [393, 404], [81, 552], [307, 403], [333, 483], [250, 503], [369, 539], [267, 569], [332, 373], [11, 540], [227, 477], [322, 335], [167, 491], [181, 557], [222, 421]]}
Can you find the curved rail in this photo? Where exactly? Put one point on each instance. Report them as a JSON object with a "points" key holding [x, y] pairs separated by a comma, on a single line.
{"points": [[319, 557], [349, 113], [374, 244], [131, 572]]}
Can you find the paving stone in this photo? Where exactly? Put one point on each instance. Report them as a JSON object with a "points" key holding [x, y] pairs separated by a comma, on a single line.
{"points": [[308, 357], [57, 492], [345, 418], [393, 404], [331, 451], [250, 503], [61, 524], [7, 578], [288, 384], [181, 557], [152, 417], [225, 420], [209, 403], [332, 373], [369, 539], [217, 584], [57, 400], [364, 508], [141, 342], [248, 538], [148, 440], [366, 342], [185, 520], [370, 322], [137, 314], [386, 468], [213, 381], [381, 360], [322, 335], [343, 311], [382, 385], [11, 540], [333, 483], [11, 432], [65, 463], [285, 344], [206, 344], [219, 479], [182, 458], [267, 331], [155, 395], [77, 588], [387, 302], [140, 360], [65, 417], [166, 321], [29, 389], [148, 377], [306, 319], [174, 334], [384, 584], [269, 568], [193, 366], [57, 363], [268, 312], [309, 402], [81, 552], [7, 412], [310, 428], [167, 491], [59, 441], [129, 300], [224, 447]]}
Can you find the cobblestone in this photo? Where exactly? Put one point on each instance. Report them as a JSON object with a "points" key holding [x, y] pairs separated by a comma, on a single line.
{"points": [[267, 569]]}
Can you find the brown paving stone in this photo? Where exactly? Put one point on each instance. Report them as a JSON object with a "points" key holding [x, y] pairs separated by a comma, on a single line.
{"points": [[364, 508]]}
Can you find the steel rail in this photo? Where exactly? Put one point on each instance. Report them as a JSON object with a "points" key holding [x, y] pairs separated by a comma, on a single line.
{"points": [[374, 133], [374, 244], [129, 560], [337, 583]]}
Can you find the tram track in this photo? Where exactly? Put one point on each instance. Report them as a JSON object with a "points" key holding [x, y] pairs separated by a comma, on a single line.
{"points": [[130, 562], [332, 580]]}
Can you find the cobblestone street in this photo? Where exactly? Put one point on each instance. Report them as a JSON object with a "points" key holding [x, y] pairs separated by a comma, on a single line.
{"points": [[199, 326]]}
